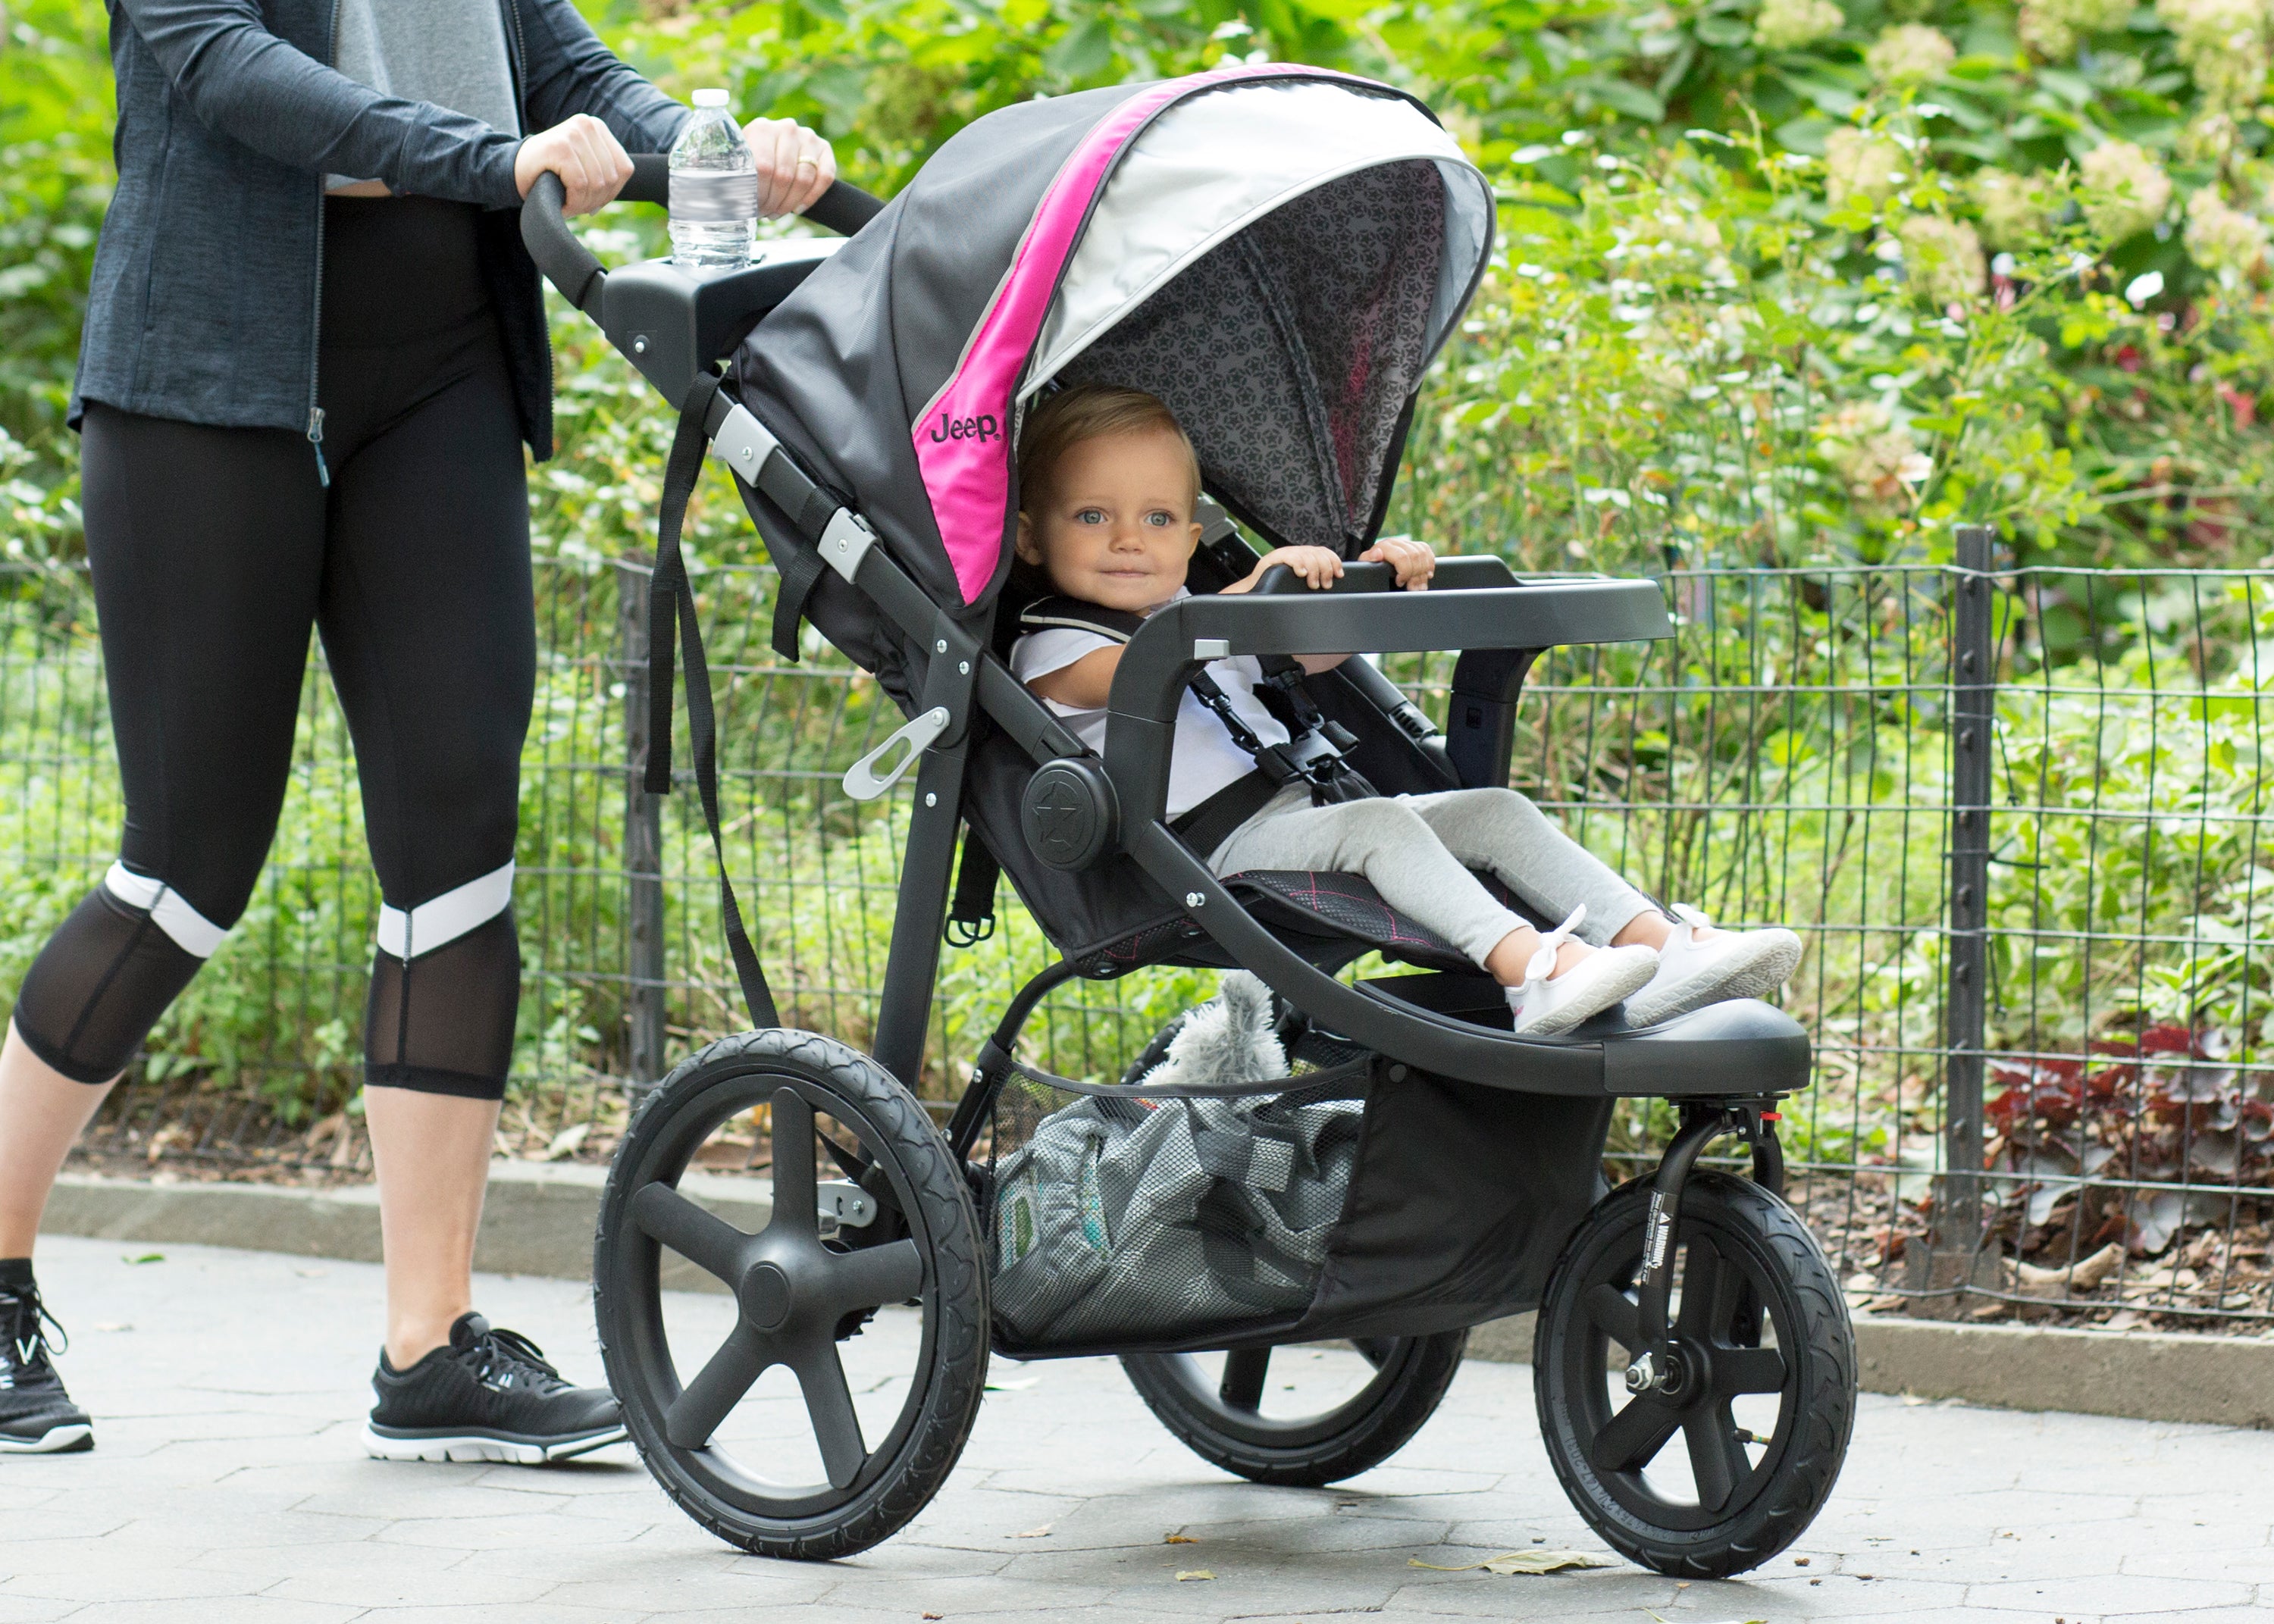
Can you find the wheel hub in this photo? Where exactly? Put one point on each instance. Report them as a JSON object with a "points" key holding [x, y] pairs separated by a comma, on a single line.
{"points": [[765, 1297]]}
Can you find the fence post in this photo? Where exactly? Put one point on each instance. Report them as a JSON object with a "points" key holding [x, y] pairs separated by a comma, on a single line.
{"points": [[1973, 700], [643, 987]]}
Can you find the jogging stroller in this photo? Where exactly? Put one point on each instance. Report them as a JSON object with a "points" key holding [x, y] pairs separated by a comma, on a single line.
{"points": [[1278, 253]]}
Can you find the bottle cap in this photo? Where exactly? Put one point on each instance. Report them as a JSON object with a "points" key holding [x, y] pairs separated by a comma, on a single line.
{"points": [[710, 98]]}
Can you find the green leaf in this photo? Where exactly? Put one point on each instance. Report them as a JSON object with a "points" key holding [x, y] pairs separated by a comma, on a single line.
{"points": [[1082, 51]]}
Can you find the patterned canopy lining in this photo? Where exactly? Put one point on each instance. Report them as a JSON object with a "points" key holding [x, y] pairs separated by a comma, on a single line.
{"points": [[1288, 352]]}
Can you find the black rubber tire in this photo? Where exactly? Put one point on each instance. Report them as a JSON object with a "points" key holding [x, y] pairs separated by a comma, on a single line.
{"points": [[1779, 1270], [1411, 1374], [925, 1201]]}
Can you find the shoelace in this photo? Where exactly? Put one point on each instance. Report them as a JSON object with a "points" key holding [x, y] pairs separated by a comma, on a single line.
{"points": [[1541, 965], [27, 1351], [511, 1351]]}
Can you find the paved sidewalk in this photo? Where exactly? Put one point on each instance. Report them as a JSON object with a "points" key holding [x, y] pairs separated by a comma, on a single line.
{"points": [[229, 1389]]}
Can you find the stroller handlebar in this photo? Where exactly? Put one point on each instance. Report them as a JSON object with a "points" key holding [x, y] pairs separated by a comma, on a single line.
{"points": [[573, 268]]}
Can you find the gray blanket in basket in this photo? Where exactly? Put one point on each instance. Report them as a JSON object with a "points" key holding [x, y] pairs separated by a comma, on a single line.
{"points": [[1157, 1218]]}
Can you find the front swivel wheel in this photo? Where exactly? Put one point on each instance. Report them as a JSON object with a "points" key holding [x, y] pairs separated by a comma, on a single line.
{"points": [[1710, 1460], [791, 1467]]}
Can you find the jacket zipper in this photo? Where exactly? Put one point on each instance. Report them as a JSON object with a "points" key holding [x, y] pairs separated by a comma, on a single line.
{"points": [[316, 321], [521, 113]]}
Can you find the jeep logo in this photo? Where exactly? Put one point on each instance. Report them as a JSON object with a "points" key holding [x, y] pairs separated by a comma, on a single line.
{"points": [[979, 428]]}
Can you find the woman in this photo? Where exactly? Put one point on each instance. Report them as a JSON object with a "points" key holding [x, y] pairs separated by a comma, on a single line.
{"points": [[313, 349]]}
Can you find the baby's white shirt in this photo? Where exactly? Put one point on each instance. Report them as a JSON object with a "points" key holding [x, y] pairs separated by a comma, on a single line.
{"points": [[1203, 759]]}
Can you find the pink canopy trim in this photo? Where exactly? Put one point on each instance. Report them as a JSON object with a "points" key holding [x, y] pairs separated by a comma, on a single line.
{"points": [[963, 444]]}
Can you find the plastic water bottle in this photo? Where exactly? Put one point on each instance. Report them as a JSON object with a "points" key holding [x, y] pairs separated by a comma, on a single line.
{"points": [[714, 189]]}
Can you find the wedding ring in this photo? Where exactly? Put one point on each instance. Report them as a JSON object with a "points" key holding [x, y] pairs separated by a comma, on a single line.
{"points": [[808, 163]]}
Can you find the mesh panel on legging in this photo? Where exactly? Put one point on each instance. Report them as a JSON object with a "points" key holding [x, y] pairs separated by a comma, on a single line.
{"points": [[442, 1023], [98, 986]]}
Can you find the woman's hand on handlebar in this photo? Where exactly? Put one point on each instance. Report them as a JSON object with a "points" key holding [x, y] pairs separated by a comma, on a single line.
{"points": [[584, 153], [795, 165]]}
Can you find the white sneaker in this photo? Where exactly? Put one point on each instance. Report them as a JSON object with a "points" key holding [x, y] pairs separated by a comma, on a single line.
{"points": [[1545, 1003], [1694, 971]]}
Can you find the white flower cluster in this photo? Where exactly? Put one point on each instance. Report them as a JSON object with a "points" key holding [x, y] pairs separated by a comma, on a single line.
{"points": [[1787, 25], [2124, 192], [1862, 167], [2014, 208], [2224, 44], [2221, 238], [1943, 259], [2050, 28], [1910, 55], [1874, 453]]}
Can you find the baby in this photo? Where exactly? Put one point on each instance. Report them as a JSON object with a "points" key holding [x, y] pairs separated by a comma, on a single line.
{"points": [[1108, 484]]}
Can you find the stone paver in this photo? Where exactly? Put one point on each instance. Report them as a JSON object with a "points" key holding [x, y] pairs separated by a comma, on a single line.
{"points": [[229, 1389]]}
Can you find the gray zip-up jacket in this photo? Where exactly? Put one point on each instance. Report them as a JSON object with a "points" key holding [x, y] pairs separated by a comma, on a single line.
{"points": [[208, 278]]}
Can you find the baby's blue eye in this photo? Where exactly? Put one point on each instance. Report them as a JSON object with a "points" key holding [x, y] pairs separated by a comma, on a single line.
{"points": [[1159, 518], [1090, 516]]}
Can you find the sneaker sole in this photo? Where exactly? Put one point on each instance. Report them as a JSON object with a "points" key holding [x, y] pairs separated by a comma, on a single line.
{"points": [[55, 1440], [504, 1448], [1764, 974]]}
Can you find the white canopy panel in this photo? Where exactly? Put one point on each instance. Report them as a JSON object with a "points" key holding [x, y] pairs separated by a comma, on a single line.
{"points": [[1215, 163]]}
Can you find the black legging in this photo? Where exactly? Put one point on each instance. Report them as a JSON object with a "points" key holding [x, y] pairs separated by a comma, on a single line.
{"points": [[214, 550]]}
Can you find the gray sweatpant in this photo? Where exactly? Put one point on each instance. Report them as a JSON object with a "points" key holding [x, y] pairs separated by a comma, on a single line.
{"points": [[1417, 851]]}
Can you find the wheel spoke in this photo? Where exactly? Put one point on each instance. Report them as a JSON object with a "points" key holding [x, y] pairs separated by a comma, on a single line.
{"points": [[1635, 1436], [1705, 1274], [876, 1275], [1243, 1378], [796, 1198], [829, 1401], [1613, 1313], [717, 1389], [701, 1236], [1747, 1370], [1717, 1459]]}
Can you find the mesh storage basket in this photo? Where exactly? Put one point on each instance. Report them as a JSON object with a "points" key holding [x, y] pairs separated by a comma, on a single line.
{"points": [[1367, 1200]]}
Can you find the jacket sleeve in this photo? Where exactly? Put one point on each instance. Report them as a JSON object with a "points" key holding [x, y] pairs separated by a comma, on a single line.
{"points": [[567, 70], [244, 82]]}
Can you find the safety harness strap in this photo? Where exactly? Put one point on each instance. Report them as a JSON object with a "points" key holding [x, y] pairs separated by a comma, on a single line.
{"points": [[670, 599]]}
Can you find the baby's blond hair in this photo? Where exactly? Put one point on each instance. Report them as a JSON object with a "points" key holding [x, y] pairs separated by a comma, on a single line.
{"points": [[1087, 412]]}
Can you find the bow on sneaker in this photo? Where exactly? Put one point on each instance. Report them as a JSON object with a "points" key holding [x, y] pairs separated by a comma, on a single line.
{"points": [[1695, 970], [36, 1415], [1545, 1003], [488, 1395]]}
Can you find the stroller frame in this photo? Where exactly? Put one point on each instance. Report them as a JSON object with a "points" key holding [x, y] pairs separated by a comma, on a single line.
{"points": [[1725, 1066]]}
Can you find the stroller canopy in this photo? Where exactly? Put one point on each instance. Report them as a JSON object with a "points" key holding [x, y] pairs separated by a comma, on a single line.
{"points": [[1276, 252]]}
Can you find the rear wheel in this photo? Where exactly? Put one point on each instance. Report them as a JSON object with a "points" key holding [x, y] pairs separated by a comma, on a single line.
{"points": [[1300, 1415], [756, 1432], [1723, 1475]]}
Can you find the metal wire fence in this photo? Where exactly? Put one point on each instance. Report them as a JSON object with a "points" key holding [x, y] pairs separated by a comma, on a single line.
{"points": [[2020, 819]]}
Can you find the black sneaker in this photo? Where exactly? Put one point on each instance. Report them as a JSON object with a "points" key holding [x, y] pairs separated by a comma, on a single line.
{"points": [[488, 1396], [36, 1415]]}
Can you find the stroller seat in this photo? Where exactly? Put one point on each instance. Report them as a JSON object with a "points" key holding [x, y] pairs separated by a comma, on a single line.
{"points": [[1329, 918]]}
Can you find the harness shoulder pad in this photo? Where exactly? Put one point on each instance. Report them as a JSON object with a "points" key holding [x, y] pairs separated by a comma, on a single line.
{"points": [[1072, 614]]}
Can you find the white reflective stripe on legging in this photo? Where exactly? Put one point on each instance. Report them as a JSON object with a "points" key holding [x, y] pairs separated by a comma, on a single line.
{"points": [[191, 931], [448, 917]]}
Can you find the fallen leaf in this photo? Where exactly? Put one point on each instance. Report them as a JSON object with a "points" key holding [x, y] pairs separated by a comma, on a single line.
{"points": [[1042, 1532], [1018, 1384], [1194, 1573], [1179, 1539], [145, 1257], [1800, 1561], [1521, 1562], [565, 1142], [934, 1615]]}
